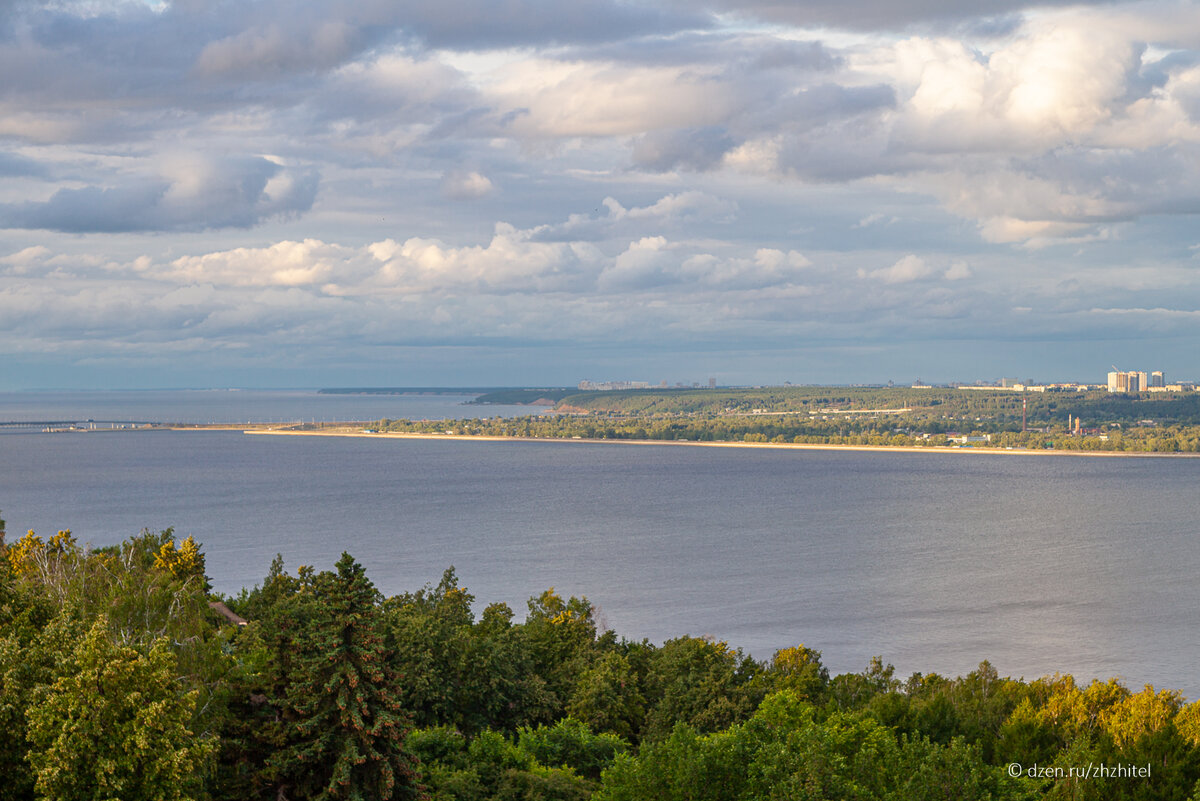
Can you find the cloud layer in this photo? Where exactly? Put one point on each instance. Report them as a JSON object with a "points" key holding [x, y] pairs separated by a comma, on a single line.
{"points": [[758, 174]]}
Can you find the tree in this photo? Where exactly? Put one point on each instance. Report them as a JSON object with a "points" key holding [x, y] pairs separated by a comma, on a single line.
{"points": [[182, 562], [800, 669], [430, 634], [570, 743], [608, 696], [341, 726], [702, 683], [27, 659], [115, 726], [560, 636]]}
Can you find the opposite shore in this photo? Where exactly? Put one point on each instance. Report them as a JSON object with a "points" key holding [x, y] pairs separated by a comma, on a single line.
{"points": [[349, 432]]}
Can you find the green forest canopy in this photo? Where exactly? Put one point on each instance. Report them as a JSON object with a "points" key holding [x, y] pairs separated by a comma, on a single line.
{"points": [[119, 680]]}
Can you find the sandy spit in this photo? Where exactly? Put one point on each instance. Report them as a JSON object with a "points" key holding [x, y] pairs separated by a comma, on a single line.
{"points": [[347, 432]]}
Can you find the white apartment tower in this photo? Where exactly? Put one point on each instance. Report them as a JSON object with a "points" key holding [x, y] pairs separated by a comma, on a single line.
{"points": [[1134, 381]]}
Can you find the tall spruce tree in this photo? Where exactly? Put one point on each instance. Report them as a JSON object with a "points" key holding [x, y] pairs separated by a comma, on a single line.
{"points": [[342, 729]]}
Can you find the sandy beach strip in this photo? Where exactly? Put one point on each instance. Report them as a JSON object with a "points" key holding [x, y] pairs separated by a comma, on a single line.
{"points": [[346, 432]]}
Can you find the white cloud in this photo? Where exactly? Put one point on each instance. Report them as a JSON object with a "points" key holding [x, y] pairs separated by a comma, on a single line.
{"points": [[545, 98], [306, 263], [460, 185], [1054, 83], [645, 262], [957, 271], [908, 269], [767, 268], [690, 205], [511, 261]]}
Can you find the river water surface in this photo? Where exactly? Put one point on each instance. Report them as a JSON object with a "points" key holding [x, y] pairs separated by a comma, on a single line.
{"points": [[934, 561]]}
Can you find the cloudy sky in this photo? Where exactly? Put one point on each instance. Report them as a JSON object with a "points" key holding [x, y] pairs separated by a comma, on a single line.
{"points": [[465, 192]]}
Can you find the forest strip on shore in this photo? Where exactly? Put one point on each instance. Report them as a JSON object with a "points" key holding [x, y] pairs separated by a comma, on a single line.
{"points": [[123, 675]]}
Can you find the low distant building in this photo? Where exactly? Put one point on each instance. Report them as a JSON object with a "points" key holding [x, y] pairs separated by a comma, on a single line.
{"points": [[969, 438], [601, 386]]}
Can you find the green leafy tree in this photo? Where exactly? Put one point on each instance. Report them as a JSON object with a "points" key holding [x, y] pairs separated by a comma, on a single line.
{"points": [[608, 696], [490, 768], [799, 669], [27, 658], [570, 743], [115, 726], [787, 752], [473, 676], [702, 683], [560, 636]]}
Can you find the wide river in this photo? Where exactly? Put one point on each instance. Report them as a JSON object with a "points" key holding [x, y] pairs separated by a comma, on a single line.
{"points": [[934, 561]]}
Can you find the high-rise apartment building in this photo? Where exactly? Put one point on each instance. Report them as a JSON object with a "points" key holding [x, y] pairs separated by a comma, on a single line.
{"points": [[1134, 381]]}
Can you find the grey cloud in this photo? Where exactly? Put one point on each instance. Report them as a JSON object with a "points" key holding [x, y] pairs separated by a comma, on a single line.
{"points": [[484, 23], [204, 56], [795, 56], [691, 149], [668, 214], [794, 115], [993, 27], [1074, 194], [882, 14], [272, 50], [90, 209], [235, 193], [816, 105], [13, 164], [397, 88], [745, 52]]}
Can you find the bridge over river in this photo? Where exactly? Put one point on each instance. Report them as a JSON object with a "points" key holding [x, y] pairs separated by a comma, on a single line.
{"points": [[83, 425]]}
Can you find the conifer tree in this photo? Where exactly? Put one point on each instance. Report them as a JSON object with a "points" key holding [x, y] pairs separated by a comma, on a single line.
{"points": [[342, 727]]}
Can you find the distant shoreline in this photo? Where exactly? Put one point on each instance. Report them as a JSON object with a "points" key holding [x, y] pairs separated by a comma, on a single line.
{"points": [[766, 445]]}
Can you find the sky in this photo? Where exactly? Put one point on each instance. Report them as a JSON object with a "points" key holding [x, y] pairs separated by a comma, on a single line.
{"points": [[534, 192]]}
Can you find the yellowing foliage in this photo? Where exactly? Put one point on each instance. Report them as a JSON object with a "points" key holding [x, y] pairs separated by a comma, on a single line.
{"points": [[32, 554], [22, 552], [1187, 721], [1144, 713], [1076, 710], [183, 561]]}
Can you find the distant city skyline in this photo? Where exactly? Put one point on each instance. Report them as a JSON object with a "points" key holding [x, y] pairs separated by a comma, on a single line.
{"points": [[530, 193]]}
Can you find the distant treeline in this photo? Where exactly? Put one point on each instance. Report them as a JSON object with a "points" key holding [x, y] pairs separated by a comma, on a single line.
{"points": [[997, 408], [892, 430], [122, 676], [524, 396], [875, 416], [407, 390]]}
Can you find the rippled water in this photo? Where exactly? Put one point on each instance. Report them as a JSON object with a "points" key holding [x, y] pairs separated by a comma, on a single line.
{"points": [[935, 561], [239, 406]]}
